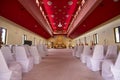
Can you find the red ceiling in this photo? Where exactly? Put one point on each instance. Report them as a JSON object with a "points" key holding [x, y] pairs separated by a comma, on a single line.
{"points": [[59, 11], [14, 11], [106, 10]]}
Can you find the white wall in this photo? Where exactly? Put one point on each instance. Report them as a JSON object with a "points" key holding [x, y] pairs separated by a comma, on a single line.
{"points": [[105, 32], [15, 32]]}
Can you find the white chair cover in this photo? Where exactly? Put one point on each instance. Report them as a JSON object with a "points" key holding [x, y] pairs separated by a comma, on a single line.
{"points": [[94, 61], [74, 50], [111, 52], [45, 49], [7, 54], [116, 68], [36, 56], [105, 49], [11, 71], [24, 58], [16, 69], [106, 70], [111, 55], [41, 51], [86, 52], [27, 49], [79, 51], [12, 48], [111, 69], [5, 73]]}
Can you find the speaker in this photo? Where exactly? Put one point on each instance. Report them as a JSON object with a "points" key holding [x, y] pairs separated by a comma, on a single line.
{"points": [[28, 42]]}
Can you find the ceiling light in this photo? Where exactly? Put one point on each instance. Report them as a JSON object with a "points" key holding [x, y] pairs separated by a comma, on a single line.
{"points": [[70, 3], [55, 12], [63, 12], [49, 3], [59, 25], [84, 25], [65, 6], [52, 16], [35, 26], [53, 23], [65, 23], [115, 0], [67, 16], [42, 2], [55, 6], [59, 10], [64, 27]]}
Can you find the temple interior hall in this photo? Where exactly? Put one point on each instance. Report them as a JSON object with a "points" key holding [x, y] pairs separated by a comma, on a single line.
{"points": [[59, 39]]}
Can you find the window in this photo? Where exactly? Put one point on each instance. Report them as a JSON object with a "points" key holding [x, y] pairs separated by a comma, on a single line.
{"points": [[24, 37], [3, 35], [117, 34], [95, 38]]}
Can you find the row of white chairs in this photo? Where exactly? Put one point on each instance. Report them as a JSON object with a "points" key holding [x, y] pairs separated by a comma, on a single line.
{"points": [[21, 60], [105, 59]]}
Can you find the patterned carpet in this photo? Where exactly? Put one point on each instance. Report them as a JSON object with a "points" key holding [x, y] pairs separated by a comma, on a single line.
{"points": [[61, 65]]}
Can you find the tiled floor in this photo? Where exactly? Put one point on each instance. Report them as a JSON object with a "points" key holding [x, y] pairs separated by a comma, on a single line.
{"points": [[61, 65]]}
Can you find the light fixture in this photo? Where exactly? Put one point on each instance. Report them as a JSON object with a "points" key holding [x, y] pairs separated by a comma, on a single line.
{"points": [[52, 16], [115, 0], [70, 3], [67, 15], [59, 25], [53, 23], [49, 3], [65, 23]]}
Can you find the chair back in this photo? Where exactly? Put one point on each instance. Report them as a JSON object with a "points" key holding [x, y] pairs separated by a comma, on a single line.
{"points": [[98, 52], [111, 52], [35, 54], [27, 49], [117, 63], [34, 51], [7, 54], [20, 52], [80, 49], [3, 65], [87, 50]]}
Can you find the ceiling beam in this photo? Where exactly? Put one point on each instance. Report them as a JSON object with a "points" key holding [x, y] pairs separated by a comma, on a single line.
{"points": [[33, 9], [85, 11]]}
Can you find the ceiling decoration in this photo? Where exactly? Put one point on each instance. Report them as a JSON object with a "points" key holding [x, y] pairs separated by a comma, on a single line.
{"points": [[60, 13], [48, 18]]}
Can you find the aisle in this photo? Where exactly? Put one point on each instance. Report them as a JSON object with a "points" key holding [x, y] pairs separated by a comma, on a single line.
{"points": [[61, 65]]}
